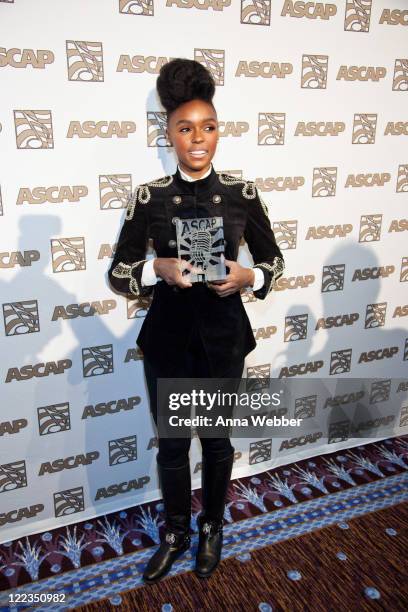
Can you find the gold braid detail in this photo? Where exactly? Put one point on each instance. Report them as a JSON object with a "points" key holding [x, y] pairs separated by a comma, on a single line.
{"points": [[141, 194]]}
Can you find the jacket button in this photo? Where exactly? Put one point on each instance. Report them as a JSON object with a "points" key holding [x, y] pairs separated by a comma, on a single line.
{"points": [[176, 199], [174, 220], [216, 199], [172, 244]]}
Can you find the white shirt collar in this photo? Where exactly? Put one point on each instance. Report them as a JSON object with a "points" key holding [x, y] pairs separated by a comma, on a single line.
{"points": [[189, 178]]}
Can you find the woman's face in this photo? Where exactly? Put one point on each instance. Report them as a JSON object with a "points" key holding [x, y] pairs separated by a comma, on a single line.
{"points": [[192, 130]]}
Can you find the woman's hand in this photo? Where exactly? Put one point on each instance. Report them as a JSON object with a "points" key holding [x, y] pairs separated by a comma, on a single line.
{"points": [[237, 278], [170, 269]]}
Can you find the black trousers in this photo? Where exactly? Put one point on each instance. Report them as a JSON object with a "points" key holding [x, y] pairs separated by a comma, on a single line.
{"points": [[173, 452]]}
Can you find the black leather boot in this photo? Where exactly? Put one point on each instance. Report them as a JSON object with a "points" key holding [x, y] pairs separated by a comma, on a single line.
{"points": [[215, 480], [176, 490]]}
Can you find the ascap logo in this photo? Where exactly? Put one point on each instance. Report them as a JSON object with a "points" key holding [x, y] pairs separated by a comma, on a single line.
{"points": [[232, 128], [69, 501], [403, 386], [333, 278], [18, 258], [257, 377], [368, 180], [271, 128], [340, 361], [53, 419], [263, 333], [320, 128], [14, 476], [122, 487], [21, 58], [375, 315], [340, 400], [19, 514], [314, 71], [301, 440], [114, 190], [311, 10], [295, 328], [122, 450], [111, 407], [266, 70], [299, 369], [68, 254], [214, 61], [285, 234], [361, 73], [362, 274], [53, 195], [328, 231], [137, 7], [50, 467], [256, 12], [370, 228], [259, 451], [107, 250], [141, 63], [247, 297], [364, 127], [102, 129], [398, 225], [198, 465], [38, 370], [294, 282], [357, 16], [133, 354], [279, 183], [380, 391], [324, 182], [12, 427], [21, 318], [153, 443], [216, 5], [137, 308], [404, 270], [305, 407], [400, 79], [337, 320], [378, 354], [373, 423], [403, 417], [86, 309], [33, 129], [338, 431], [97, 360], [394, 17], [396, 128], [85, 60], [156, 129]]}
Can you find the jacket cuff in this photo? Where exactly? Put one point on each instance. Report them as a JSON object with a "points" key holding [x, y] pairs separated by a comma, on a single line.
{"points": [[133, 272], [271, 274]]}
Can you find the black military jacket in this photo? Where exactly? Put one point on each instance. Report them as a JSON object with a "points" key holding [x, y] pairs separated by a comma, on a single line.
{"points": [[174, 312]]}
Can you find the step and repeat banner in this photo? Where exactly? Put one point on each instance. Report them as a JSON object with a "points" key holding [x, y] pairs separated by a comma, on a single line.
{"points": [[312, 102]]}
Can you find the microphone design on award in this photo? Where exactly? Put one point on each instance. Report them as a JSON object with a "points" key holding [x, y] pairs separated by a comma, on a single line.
{"points": [[201, 243]]}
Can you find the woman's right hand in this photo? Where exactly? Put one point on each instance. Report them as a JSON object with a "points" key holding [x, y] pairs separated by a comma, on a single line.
{"points": [[170, 269]]}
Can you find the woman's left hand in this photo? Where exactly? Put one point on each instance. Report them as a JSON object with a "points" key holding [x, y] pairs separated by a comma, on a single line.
{"points": [[237, 278]]}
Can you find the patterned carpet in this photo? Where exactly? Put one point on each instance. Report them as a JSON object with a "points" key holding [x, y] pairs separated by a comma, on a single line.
{"points": [[326, 533]]}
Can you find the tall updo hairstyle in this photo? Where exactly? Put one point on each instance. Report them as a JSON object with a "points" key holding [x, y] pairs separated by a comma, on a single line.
{"points": [[182, 80]]}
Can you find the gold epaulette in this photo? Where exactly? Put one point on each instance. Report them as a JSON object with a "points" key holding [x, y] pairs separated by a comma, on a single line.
{"points": [[141, 194], [249, 190]]}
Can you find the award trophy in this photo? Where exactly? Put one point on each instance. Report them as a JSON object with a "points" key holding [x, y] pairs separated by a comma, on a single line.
{"points": [[201, 243]]}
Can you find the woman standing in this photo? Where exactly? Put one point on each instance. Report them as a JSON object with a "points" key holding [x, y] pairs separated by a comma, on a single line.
{"points": [[200, 329]]}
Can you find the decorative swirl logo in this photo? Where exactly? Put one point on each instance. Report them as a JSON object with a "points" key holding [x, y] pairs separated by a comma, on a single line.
{"points": [[156, 129], [69, 501], [256, 12], [404, 270], [21, 318], [214, 61], [68, 254], [404, 416], [364, 127], [338, 432], [137, 7], [285, 234], [271, 128], [370, 228], [324, 182], [340, 361], [295, 328], [97, 360], [122, 450], [259, 451], [13, 476], [357, 16], [137, 308], [314, 71], [33, 129], [114, 190], [380, 391], [375, 315], [333, 278], [85, 61], [402, 179], [53, 419], [305, 407], [400, 79]]}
